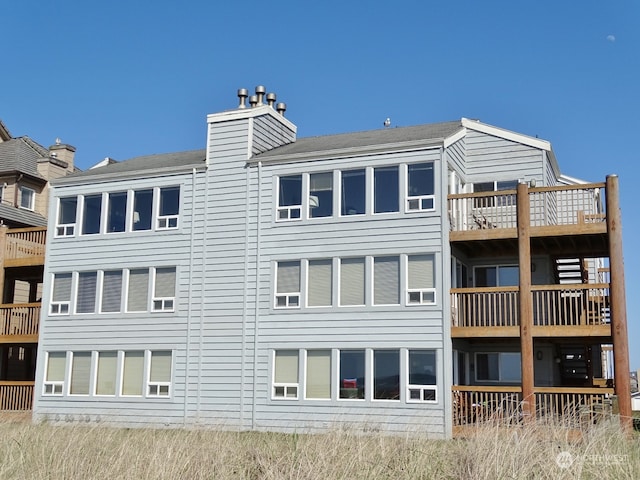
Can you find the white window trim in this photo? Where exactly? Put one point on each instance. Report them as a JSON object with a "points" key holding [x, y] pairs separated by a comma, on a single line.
{"points": [[71, 360], [32, 201], [157, 386], [290, 298], [425, 293], [94, 374], [287, 209], [373, 378], [167, 304], [418, 198], [367, 190], [56, 308], [284, 385], [421, 388], [163, 222], [65, 229], [56, 387], [368, 381]]}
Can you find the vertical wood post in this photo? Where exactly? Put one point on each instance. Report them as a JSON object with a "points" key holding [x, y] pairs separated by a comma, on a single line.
{"points": [[526, 302], [618, 304], [3, 252]]}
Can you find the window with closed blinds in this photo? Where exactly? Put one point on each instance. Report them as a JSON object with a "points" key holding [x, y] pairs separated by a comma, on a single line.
{"points": [[420, 271], [112, 291], [318, 384], [288, 280], [319, 284], [61, 287], [138, 294], [80, 373], [106, 378], [160, 367], [86, 292], [386, 280], [286, 366], [352, 281], [56, 366], [165, 282], [133, 373]]}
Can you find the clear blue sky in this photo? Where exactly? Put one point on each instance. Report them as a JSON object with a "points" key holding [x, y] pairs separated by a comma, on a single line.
{"points": [[127, 78]]}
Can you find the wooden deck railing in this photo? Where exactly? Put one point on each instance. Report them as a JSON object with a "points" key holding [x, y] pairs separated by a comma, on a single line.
{"points": [[20, 318], [25, 242], [553, 305], [16, 395], [549, 206], [474, 405]]}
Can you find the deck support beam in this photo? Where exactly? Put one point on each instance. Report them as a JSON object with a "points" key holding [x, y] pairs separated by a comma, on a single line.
{"points": [[618, 304]]}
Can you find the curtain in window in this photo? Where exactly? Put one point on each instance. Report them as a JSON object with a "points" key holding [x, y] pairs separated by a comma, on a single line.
{"points": [[318, 374], [56, 366], [352, 281], [86, 292], [288, 280], [133, 373], [112, 291], [319, 283], [106, 379], [138, 290], [420, 271], [165, 282], [160, 367], [61, 287], [80, 373], [386, 281], [286, 366]]}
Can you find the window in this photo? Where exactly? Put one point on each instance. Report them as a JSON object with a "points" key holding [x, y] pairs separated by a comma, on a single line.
{"points": [[320, 195], [499, 200], [138, 292], [91, 214], [27, 198], [80, 373], [497, 276], [160, 374], [352, 281], [319, 283], [164, 290], [422, 376], [386, 189], [386, 280], [386, 374], [420, 187], [55, 372], [106, 374], [142, 209], [421, 280], [289, 197], [86, 299], [116, 212], [285, 374], [67, 207], [353, 192], [169, 208], [132, 373], [352, 377], [288, 285], [111, 291], [61, 294], [318, 380], [498, 367]]}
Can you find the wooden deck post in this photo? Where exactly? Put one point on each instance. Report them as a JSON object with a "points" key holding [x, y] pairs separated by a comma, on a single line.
{"points": [[618, 304], [526, 303], [3, 253]]}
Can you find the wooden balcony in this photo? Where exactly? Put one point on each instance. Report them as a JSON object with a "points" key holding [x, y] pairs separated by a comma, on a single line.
{"points": [[578, 310], [20, 322], [24, 246], [573, 216], [16, 396], [572, 407]]}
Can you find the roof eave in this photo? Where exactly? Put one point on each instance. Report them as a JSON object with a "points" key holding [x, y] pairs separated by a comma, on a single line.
{"points": [[128, 175]]}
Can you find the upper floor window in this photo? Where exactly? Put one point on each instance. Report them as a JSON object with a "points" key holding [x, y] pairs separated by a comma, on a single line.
{"points": [[289, 197], [420, 187], [61, 294], [169, 208], [386, 280], [321, 195], [142, 209], [67, 209], [27, 198], [164, 289], [353, 198], [498, 200], [116, 211], [86, 298], [288, 284], [386, 190], [421, 280], [92, 214]]}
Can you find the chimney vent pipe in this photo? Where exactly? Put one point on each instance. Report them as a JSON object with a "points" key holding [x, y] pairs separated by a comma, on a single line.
{"points": [[260, 91], [242, 95], [281, 108], [253, 101], [271, 99]]}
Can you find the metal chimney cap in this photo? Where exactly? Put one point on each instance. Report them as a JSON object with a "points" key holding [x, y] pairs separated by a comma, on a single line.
{"points": [[253, 100], [281, 108], [271, 99], [243, 93], [260, 89]]}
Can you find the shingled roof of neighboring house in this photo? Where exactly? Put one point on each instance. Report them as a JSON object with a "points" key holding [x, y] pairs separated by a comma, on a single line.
{"points": [[19, 217], [21, 155]]}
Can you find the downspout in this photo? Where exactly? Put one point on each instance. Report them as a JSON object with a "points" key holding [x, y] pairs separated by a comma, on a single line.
{"points": [[245, 297], [16, 189], [257, 301]]}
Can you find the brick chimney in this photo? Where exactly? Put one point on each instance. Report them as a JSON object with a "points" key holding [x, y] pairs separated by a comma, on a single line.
{"points": [[64, 152]]}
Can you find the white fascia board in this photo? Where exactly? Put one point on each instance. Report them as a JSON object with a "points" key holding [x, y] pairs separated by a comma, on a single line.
{"points": [[244, 113], [506, 134], [455, 137], [567, 180]]}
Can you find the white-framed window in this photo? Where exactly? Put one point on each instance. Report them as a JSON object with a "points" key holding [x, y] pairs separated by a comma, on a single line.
{"points": [[116, 212], [61, 294], [80, 373], [168, 208], [353, 192], [386, 375], [55, 373], [106, 373], [91, 214], [67, 211], [320, 195], [27, 198], [164, 292], [420, 187], [318, 375], [386, 280], [503, 367], [86, 294], [138, 290], [285, 375], [352, 378], [289, 198], [287, 284], [319, 283], [386, 189], [352, 281], [132, 374], [142, 210], [159, 384], [421, 280], [422, 378], [111, 299], [499, 200]]}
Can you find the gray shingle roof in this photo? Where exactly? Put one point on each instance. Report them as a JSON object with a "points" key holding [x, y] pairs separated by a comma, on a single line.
{"points": [[370, 138], [19, 217], [21, 154]]}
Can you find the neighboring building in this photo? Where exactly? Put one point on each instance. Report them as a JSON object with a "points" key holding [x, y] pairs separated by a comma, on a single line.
{"points": [[25, 169], [373, 279]]}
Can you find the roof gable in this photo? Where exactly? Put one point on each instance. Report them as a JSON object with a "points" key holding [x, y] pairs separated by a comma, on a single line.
{"points": [[21, 155]]}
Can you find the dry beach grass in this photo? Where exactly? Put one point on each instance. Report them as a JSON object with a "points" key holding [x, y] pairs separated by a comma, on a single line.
{"points": [[90, 452]]}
